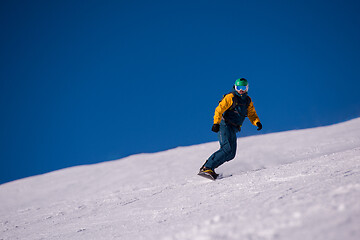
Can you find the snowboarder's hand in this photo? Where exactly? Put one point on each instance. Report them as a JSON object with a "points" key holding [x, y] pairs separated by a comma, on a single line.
{"points": [[259, 125], [215, 128]]}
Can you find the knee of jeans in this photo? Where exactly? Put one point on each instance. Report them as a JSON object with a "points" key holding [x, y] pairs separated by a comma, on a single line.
{"points": [[231, 156], [229, 148]]}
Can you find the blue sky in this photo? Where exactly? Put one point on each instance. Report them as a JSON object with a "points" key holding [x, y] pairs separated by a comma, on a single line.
{"points": [[90, 81]]}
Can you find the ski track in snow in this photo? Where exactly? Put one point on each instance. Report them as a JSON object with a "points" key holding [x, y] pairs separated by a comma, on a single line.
{"points": [[302, 184]]}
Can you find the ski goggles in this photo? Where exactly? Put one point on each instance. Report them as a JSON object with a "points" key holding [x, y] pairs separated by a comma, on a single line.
{"points": [[238, 88]]}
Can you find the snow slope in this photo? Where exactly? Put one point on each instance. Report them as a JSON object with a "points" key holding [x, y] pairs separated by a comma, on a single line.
{"points": [[302, 184]]}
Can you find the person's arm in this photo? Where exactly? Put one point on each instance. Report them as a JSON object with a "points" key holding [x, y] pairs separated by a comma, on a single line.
{"points": [[252, 115], [224, 105]]}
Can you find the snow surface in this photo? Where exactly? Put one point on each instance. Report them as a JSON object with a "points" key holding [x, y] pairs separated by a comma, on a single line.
{"points": [[302, 184]]}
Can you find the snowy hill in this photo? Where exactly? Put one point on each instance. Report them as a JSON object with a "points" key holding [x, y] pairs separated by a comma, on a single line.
{"points": [[302, 184]]}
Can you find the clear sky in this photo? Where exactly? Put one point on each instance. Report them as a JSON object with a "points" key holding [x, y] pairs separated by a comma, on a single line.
{"points": [[90, 81]]}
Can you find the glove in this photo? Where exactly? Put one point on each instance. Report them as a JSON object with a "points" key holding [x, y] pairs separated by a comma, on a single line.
{"points": [[215, 128], [259, 125]]}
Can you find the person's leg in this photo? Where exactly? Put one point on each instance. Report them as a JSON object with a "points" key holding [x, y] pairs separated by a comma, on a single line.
{"points": [[227, 151]]}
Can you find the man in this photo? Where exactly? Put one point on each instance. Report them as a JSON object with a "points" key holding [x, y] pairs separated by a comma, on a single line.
{"points": [[228, 119]]}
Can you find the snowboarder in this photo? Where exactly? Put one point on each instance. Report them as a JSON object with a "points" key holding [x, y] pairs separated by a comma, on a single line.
{"points": [[228, 119]]}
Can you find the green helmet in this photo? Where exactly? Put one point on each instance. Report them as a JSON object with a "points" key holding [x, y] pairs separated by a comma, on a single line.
{"points": [[241, 84]]}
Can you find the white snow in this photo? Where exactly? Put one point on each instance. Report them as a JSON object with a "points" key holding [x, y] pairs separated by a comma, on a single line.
{"points": [[302, 184]]}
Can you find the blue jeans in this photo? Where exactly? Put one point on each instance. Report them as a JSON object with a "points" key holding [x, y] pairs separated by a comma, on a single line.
{"points": [[227, 151]]}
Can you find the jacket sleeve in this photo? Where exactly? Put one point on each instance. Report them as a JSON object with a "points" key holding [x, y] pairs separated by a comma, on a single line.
{"points": [[224, 105], [252, 115]]}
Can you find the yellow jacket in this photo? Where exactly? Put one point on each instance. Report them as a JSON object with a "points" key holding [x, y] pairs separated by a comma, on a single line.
{"points": [[228, 102]]}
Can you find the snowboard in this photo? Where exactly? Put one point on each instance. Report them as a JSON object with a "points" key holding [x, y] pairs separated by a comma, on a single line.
{"points": [[213, 176], [208, 175]]}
